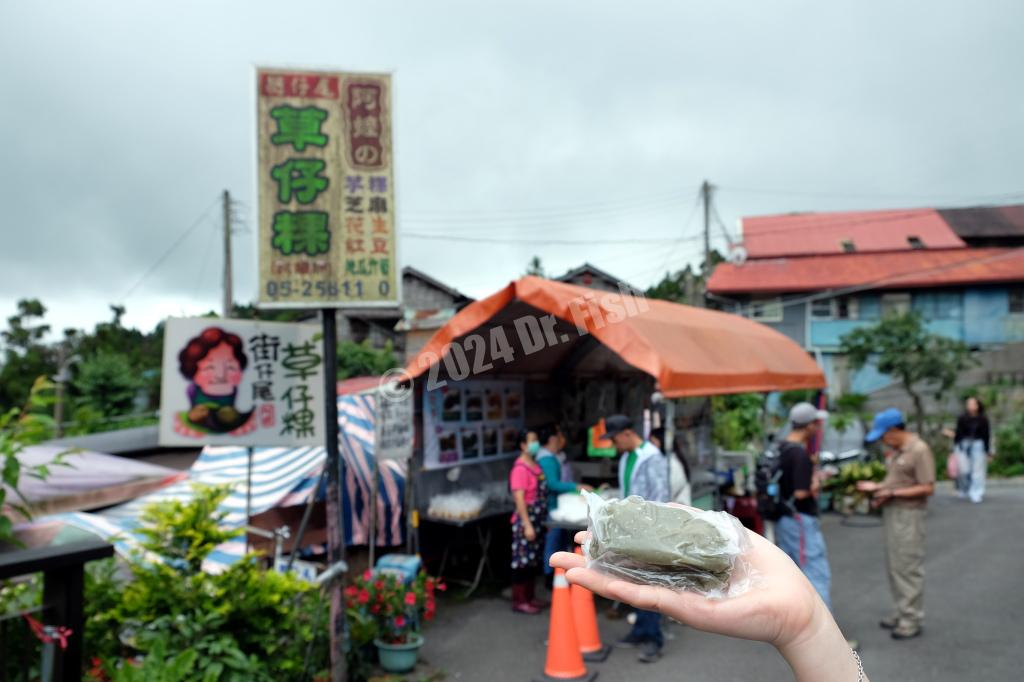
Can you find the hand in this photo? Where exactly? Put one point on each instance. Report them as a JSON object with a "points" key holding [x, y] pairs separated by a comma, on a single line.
{"points": [[881, 496], [777, 611], [868, 486], [948, 432], [529, 532], [782, 609], [583, 486]]}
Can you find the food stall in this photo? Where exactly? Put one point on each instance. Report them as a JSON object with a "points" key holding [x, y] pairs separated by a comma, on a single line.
{"points": [[541, 351]]}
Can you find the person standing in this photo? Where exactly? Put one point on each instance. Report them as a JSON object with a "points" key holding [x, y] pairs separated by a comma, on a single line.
{"points": [[903, 495], [549, 457], [971, 447], [798, 532], [529, 491], [643, 472]]}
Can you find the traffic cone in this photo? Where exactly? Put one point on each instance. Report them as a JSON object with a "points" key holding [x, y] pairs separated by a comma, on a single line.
{"points": [[585, 618], [564, 661]]}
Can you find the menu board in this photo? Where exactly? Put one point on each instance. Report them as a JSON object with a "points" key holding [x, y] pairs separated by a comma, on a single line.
{"points": [[472, 421]]}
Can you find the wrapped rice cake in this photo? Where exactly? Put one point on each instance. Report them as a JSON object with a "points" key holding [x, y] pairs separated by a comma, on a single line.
{"points": [[657, 544]]}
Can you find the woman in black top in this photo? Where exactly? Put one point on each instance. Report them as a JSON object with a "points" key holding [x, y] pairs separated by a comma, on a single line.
{"points": [[971, 447]]}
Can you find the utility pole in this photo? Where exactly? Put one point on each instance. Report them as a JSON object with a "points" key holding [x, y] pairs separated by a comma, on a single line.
{"points": [[228, 300], [705, 193]]}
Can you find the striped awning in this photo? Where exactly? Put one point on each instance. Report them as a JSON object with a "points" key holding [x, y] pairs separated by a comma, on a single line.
{"points": [[281, 477]]}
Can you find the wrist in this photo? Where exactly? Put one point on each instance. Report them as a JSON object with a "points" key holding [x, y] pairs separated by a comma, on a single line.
{"points": [[820, 651]]}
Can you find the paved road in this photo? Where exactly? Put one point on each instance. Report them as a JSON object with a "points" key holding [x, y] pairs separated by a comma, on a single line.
{"points": [[973, 630]]}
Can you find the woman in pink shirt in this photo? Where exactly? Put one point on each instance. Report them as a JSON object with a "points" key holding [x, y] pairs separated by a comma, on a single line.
{"points": [[526, 481]]}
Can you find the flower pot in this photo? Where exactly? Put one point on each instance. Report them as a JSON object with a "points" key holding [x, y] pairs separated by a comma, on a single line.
{"points": [[399, 658]]}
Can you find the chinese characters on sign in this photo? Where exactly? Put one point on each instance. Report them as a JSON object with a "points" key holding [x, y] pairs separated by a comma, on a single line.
{"points": [[241, 382], [326, 182]]}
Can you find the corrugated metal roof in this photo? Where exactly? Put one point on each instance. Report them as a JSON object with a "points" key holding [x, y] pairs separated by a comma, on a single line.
{"points": [[893, 270], [806, 234], [990, 222]]}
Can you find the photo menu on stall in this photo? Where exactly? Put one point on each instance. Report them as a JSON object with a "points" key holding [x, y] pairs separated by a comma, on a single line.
{"points": [[472, 421]]}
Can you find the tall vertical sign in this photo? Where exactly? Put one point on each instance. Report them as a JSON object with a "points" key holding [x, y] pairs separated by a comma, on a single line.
{"points": [[326, 190]]}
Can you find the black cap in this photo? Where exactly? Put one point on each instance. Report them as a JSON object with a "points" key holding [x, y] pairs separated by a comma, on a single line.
{"points": [[616, 424]]}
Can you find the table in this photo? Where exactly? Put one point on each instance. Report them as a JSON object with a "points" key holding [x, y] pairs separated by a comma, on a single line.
{"points": [[484, 535], [566, 525]]}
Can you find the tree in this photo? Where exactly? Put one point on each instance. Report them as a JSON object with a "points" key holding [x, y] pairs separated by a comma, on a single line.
{"points": [[362, 360], [107, 383], [26, 357], [535, 267], [685, 286], [903, 348]]}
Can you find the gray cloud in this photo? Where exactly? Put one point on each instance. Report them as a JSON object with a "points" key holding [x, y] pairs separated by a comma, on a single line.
{"points": [[123, 121]]}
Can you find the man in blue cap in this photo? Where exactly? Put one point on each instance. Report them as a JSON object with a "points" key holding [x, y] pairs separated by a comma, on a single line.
{"points": [[909, 482]]}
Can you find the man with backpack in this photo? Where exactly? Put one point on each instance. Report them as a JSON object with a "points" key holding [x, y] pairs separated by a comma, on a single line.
{"points": [[797, 531]]}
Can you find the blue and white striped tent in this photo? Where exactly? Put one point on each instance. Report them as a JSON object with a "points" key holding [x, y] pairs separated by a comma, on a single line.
{"points": [[281, 477]]}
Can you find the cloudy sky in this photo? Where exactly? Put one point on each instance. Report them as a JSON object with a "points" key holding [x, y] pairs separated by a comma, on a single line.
{"points": [[121, 123]]}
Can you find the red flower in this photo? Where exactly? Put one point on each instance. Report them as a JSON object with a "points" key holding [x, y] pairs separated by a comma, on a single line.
{"points": [[441, 586], [410, 599], [364, 596], [429, 614], [400, 622], [431, 604], [351, 591], [375, 608], [379, 585], [367, 575]]}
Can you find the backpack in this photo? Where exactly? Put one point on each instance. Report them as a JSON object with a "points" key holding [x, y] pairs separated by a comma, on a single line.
{"points": [[770, 504]]}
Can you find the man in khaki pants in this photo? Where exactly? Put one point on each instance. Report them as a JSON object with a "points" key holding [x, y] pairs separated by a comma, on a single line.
{"points": [[909, 481]]}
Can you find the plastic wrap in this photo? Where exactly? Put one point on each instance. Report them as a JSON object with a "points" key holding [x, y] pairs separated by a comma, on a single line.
{"points": [[651, 543]]}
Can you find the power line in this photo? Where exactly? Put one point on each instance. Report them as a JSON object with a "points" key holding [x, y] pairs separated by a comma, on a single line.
{"points": [[537, 242], [847, 195], [177, 242], [513, 213]]}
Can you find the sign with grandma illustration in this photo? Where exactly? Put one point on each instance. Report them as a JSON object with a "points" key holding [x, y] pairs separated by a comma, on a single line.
{"points": [[241, 382]]}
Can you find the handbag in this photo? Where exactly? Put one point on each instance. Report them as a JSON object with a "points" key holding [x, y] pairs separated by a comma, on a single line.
{"points": [[953, 465]]}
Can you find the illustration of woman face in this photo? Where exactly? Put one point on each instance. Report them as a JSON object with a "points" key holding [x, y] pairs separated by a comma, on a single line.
{"points": [[219, 372]]}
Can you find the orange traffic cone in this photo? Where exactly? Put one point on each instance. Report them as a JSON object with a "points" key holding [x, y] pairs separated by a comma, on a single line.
{"points": [[585, 618], [564, 662]]}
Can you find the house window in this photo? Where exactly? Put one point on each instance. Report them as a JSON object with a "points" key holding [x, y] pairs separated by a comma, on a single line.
{"points": [[846, 308], [848, 246], [915, 242], [821, 309], [938, 305], [766, 310], [1017, 301], [895, 304]]}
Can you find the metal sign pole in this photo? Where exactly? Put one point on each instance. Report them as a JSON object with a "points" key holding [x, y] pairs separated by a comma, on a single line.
{"points": [[372, 540], [248, 495], [335, 522]]}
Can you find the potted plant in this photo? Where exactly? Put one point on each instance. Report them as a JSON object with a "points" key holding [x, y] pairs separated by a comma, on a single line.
{"points": [[397, 611]]}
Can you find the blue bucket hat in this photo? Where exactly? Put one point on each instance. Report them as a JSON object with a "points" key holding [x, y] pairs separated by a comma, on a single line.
{"points": [[884, 420]]}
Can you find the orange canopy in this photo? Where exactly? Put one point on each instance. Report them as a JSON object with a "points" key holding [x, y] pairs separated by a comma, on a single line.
{"points": [[689, 351]]}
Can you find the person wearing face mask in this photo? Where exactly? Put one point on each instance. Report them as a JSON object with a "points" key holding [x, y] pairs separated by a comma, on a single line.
{"points": [[529, 491]]}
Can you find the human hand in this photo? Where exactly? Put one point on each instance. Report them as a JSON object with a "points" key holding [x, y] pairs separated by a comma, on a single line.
{"points": [[948, 432], [782, 608], [583, 486], [529, 532], [881, 496], [868, 486]]}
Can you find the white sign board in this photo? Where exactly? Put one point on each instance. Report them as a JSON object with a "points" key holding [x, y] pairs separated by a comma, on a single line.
{"points": [[241, 382], [394, 430]]}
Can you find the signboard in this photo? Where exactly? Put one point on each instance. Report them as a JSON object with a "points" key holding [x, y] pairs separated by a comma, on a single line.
{"points": [[241, 382], [326, 190], [394, 432], [472, 421]]}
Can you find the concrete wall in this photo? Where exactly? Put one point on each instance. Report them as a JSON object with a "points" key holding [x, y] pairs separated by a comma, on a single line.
{"points": [[418, 295]]}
